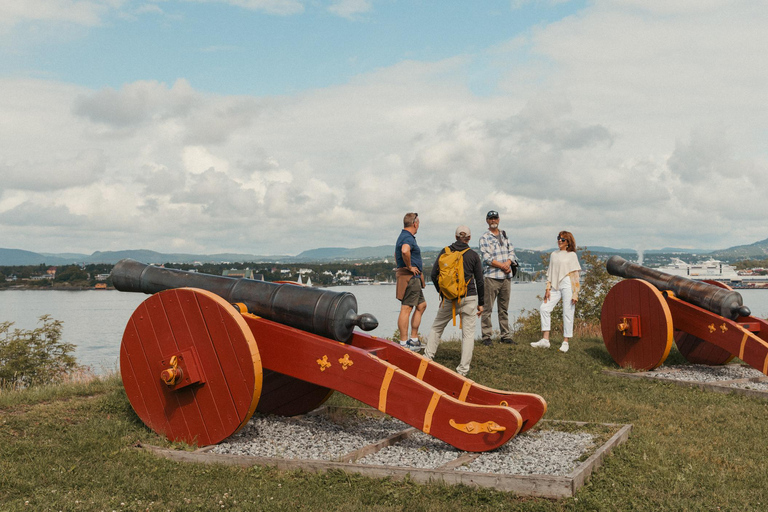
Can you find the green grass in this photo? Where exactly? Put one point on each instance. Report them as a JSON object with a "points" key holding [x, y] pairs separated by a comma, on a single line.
{"points": [[70, 447]]}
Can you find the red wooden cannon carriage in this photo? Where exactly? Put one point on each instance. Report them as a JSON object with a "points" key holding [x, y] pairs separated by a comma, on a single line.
{"points": [[643, 314], [205, 352]]}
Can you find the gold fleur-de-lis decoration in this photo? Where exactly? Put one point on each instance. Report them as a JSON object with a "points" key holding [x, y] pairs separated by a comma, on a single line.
{"points": [[723, 327], [324, 363], [345, 362], [712, 328]]}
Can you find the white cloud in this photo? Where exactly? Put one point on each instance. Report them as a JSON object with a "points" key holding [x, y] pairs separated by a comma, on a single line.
{"points": [[92, 13], [198, 159], [629, 130], [279, 7], [79, 12], [51, 174], [136, 103], [350, 9]]}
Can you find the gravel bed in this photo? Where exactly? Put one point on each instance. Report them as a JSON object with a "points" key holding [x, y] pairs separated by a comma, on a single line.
{"points": [[544, 452], [704, 373], [759, 386], [311, 437], [417, 451]]}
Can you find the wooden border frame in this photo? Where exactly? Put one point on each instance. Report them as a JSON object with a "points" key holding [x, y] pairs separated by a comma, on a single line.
{"points": [[545, 486], [717, 386]]}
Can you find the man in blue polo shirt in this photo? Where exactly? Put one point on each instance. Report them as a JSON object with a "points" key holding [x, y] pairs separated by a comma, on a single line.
{"points": [[410, 282]]}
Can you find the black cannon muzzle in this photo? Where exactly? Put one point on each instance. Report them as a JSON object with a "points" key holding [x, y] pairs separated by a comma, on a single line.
{"points": [[726, 303]]}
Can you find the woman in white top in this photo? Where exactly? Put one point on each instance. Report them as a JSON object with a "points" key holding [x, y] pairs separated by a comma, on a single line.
{"points": [[562, 282]]}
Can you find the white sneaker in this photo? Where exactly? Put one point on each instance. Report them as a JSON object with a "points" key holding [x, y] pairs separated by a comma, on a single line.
{"points": [[542, 343], [564, 347]]}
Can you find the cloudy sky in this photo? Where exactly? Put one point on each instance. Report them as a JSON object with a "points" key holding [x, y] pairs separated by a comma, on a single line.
{"points": [[276, 126]]}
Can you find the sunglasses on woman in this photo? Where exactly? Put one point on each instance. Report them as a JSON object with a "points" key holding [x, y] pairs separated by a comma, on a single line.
{"points": [[561, 239]]}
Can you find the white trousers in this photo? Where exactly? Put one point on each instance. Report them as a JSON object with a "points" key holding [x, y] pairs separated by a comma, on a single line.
{"points": [[569, 308], [468, 314]]}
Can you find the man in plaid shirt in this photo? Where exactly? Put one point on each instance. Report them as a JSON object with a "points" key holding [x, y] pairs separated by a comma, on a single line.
{"points": [[499, 266]]}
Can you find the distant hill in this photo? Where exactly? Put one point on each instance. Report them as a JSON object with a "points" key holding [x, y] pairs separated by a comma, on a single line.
{"points": [[358, 253], [609, 250], [337, 253], [677, 250], [755, 251], [20, 257], [146, 256], [70, 256]]}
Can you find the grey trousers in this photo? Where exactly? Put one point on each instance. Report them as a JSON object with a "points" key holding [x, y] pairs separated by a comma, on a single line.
{"points": [[496, 290]]}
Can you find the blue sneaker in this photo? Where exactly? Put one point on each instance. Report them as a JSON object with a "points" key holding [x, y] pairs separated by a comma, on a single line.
{"points": [[412, 344]]}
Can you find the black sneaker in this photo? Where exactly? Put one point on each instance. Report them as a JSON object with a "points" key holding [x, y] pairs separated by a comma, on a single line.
{"points": [[487, 342], [508, 341]]}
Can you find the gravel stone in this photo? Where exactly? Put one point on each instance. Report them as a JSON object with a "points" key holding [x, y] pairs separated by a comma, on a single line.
{"points": [[310, 437], [759, 386], [704, 373], [417, 451], [543, 452]]}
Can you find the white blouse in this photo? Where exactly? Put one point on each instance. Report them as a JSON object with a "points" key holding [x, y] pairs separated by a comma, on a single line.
{"points": [[561, 263]]}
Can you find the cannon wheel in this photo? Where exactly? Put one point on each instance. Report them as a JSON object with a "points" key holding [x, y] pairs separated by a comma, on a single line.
{"points": [[221, 368], [699, 351], [638, 298], [288, 396]]}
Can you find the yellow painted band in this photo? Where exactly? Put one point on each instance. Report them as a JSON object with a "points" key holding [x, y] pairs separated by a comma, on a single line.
{"points": [[743, 343], [422, 368], [465, 390], [430, 412], [385, 387], [759, 340], [765, 365]]}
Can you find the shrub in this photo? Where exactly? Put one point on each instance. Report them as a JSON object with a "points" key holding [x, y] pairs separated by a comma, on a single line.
{"points": [[36, 356]]}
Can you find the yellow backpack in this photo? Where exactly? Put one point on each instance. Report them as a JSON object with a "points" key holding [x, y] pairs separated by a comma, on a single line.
{"points": [[451, 278]]}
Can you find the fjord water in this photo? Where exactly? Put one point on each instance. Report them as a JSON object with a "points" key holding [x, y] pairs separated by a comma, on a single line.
{"points": [[94, 320]]}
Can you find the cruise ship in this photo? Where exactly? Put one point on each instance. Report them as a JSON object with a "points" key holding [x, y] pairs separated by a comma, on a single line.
{"points": [[710, 269], [717, 271]]}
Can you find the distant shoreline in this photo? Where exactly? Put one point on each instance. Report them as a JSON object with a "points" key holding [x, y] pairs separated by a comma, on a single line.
{"points": [[56, 288]]}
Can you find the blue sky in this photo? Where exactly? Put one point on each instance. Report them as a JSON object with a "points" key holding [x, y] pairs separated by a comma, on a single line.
{"points": [[227, 49], [276, 126]]}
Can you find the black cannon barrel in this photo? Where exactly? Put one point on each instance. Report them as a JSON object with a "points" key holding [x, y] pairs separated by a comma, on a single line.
{"points": [[323, 312], [726, 303]]}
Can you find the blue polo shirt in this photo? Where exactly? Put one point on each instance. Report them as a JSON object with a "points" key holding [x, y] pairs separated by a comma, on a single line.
{"points": [[408, 239]]}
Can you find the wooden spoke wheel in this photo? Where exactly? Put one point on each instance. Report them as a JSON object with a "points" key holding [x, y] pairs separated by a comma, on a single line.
{"points": [[636, 325], [698, 351], [190, 366]]}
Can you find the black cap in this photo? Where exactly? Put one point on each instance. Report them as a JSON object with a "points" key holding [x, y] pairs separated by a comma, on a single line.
{"points": [[492, 214]]}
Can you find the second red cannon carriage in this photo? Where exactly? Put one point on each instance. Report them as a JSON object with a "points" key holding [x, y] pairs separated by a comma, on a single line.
{"points": [[645, 313]]}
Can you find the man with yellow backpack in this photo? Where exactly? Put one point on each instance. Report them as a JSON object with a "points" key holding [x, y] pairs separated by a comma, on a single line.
{"points": [[458, 276]]}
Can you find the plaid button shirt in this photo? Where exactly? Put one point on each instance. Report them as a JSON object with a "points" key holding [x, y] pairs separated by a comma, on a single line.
{"points": [[491, 249]]}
